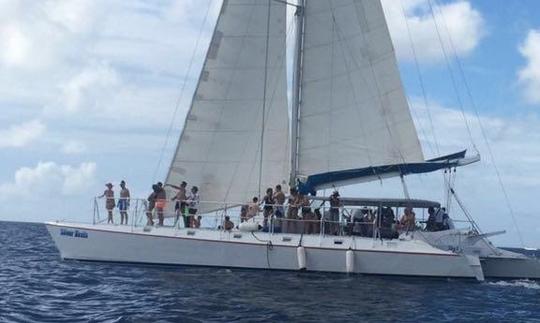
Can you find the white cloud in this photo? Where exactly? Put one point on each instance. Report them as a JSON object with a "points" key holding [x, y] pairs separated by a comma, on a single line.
{"points": [[49, 179], [22, 134], [529, 75], [85, 90], [460, 26], [73, 147]]}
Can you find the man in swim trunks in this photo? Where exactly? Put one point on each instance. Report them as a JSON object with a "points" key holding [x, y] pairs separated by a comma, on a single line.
{"points": [[123, 203]]}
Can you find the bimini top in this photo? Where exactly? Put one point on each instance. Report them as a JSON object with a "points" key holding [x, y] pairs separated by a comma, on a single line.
{"points": [[367, 174], [374, 202]]}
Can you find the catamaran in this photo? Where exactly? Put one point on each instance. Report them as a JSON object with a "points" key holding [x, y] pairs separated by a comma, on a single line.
{"points": [[349, 123]]}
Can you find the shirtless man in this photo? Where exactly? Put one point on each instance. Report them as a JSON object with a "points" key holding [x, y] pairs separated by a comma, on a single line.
{"points": [[181, 205], [123, 203], [253, 208], [109, 201]]}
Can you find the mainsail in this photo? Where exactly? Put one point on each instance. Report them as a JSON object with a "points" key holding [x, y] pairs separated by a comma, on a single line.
{"points": [[239, 108], [353, 112]]}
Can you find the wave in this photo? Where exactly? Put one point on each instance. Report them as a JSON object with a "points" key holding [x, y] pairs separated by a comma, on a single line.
{"points": [[525, 283]]}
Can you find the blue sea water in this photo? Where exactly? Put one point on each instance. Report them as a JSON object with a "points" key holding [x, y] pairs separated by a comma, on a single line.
{"points": [[36, 286]]}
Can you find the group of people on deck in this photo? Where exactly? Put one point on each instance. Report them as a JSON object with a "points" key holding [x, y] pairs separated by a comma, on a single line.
{"points": [[281, 213], [123, 202], [292, 214]]}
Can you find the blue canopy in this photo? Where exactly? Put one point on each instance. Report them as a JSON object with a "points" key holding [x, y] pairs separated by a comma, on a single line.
{"points": [[326, 180]]}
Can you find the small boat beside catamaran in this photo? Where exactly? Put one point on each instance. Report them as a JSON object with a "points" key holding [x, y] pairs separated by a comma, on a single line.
{"points": [[349, 123]]}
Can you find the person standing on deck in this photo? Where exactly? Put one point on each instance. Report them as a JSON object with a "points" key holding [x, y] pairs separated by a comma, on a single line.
{"points": [[308, 218], [109, 202], [268, 209], [161, 202], [151, 205], [279, 200], [290, 224], [181, 205], [193, 205], [335, 204], [123, 203]]}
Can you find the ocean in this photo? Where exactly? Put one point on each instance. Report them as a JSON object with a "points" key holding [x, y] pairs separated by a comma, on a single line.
{"points": [[36, 286]]}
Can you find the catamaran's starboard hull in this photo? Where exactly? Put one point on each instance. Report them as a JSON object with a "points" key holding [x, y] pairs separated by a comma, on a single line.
{"points": [[511, 268], [496, 262], [164, 246]]}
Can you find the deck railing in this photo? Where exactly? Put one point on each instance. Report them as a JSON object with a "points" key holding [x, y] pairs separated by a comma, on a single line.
{"points": [[318, 218]]}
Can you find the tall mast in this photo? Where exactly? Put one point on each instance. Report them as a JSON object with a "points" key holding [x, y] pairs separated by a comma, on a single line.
{"points": [[296, 92]]}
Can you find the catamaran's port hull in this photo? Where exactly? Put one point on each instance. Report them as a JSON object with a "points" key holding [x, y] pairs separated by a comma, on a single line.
{"points": [[164, 246]]}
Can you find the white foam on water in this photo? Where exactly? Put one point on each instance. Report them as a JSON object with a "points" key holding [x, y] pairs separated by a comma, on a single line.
{"points": [[525, 283]]}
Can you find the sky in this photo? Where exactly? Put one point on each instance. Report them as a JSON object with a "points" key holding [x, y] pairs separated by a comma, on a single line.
{"points": [[89, 90]]}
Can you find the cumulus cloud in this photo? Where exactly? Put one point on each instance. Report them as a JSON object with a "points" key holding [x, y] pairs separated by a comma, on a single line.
{"points": [[460, 25], [85, 90], [22, 134], [49, 179], [529, 75]]}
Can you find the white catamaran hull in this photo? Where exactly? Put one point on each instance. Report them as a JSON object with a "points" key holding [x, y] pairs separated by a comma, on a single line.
{"points": [[167, 246], [496, 262]]}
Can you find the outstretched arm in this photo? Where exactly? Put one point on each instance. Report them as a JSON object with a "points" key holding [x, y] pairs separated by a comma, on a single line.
{"points": [[173, 186]]}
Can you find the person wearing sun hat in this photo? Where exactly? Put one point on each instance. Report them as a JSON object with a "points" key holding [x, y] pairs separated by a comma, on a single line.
{"points": [[109, 201]]}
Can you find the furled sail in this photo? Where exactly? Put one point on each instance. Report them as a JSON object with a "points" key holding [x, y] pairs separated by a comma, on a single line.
{"points": [[353, 112], [229, 121]]}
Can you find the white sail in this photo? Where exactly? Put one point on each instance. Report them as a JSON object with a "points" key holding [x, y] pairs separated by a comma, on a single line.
{"points": [[353, 110], [220, 146]]}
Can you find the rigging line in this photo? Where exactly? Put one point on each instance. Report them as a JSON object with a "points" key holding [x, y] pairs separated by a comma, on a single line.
{"points": [[420, 79], [261, 148], [454, 82], [482, 129], [182, 90]]}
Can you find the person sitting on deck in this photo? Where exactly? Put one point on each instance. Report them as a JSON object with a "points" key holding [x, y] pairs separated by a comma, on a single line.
{"points": [[368, 221], [253, 208], [448, 224], [430, 223], [228, 225], [408, 220], [180, 205], [387, 223], [109, 201], [193, 205]]}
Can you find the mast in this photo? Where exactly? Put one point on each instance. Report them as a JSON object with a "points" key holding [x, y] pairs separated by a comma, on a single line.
{"points": [[296, 92]]}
